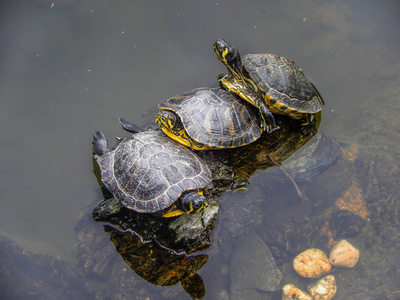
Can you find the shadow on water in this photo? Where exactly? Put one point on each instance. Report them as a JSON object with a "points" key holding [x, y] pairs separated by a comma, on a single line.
{"points": [[74, 67]]}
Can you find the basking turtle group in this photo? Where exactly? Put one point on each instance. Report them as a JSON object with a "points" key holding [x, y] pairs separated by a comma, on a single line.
{"points": [[159, 172]]}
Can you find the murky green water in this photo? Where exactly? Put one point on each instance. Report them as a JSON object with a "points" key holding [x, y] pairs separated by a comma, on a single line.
{"points": [[69, 68]]}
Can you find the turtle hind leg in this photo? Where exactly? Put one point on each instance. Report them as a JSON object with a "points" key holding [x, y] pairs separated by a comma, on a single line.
{"points": [[99, 143], [268, 123], [129, 126], [309, 125], [308, 129]]}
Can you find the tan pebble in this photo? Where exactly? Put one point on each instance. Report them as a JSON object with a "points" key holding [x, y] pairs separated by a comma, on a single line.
{"points": [[311, 263], [344, 255], [291, 292], [324, 288]]}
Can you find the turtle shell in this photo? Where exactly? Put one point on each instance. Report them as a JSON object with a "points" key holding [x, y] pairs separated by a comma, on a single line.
{"points": [[148, 171], [215, 117], [284, 82]]}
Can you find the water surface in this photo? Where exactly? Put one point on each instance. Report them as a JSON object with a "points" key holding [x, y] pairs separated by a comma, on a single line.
{"points": [[69, 68]]}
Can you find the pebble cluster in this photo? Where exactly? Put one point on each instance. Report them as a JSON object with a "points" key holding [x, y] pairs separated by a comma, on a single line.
{"points": [[314, 263]]}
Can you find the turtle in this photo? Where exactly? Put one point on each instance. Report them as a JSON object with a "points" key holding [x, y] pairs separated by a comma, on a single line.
{"points": [[209, 118], [150, 173], [268, 81]]}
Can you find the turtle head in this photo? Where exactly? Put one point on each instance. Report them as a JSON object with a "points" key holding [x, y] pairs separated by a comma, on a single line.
{"points": [[229, 55], [171, 124], [168, 120], [192, 202]]}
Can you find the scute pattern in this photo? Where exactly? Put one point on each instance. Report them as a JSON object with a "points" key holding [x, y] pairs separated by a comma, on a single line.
{"points": [[284, 81], [148, 172], [216, 117]]}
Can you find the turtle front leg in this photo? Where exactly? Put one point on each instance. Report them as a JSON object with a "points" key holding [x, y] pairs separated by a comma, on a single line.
{"points": [[255, 98]]}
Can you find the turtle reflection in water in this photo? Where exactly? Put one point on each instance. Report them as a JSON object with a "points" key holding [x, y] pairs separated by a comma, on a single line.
{"points": [[160, 250], [234, 167], [158, 265]]}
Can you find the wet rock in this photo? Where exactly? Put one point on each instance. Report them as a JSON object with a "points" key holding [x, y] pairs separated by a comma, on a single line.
{"points": [[305, 165], [291, 292], [240, 213], [222, 173], [335, 181], [344, 255], [323, 289], [186, 233], [253, 267], [112, 211], [311, 263], [195, 229]]}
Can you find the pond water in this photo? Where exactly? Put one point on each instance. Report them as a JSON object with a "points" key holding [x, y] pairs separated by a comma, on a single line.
{"points": [[69, 68]]}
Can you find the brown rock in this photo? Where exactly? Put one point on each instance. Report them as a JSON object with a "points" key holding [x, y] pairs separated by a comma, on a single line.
{"points": [[311, 263], [291, 292], [323, 289]]}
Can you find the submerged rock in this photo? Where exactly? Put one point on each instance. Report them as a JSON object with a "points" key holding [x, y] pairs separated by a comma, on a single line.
{"points": [[313, 159], [345, 224], [323, 289], [26, 275], [344, 255], [311, 263], [253, 266], [291, 292]]}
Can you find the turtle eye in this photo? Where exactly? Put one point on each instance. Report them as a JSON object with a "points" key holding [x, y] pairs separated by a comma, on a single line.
{"points": [[231, 53], [197, 203], [224, 50], [225, 54], [171, 119]]}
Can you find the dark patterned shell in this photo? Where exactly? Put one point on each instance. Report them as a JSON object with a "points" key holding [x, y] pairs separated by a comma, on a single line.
{"points": [[216, 117], [148, 171], [284, 81]]}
